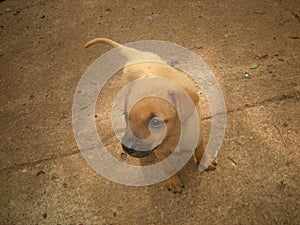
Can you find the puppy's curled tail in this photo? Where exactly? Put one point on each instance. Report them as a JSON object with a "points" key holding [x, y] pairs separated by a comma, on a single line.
{"points": [[102, 40], [130, 53]]}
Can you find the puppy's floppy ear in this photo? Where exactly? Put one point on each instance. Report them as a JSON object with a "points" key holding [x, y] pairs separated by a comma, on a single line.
{"points": [[184, 101]]}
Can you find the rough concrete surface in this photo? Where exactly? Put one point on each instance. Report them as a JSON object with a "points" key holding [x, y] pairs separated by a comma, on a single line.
{"points": [[44, 178]]}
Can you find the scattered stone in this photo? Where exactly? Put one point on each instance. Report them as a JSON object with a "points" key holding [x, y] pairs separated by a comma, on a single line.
{"points": [[296, 16], [123, 156], [288, 163], [259, 12], [285, 96], [45, 215], [247, 75], [54, 177], [40, 173], [262, 56]]}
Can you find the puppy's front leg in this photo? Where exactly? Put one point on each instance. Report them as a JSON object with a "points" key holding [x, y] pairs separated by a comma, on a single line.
{"points": [[173, 183], [199, 153]]}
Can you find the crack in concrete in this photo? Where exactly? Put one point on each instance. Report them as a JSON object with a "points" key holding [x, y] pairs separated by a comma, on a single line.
{"points": [[280, 98]]}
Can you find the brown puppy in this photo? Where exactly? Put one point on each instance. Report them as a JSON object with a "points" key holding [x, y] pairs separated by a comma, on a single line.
{"points": [[154, 123]]}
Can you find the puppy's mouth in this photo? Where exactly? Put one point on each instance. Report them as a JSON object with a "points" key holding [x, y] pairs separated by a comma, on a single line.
{"points": [[137, 153]]}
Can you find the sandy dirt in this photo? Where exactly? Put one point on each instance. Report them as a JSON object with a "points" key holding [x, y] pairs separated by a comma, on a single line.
{"points": [[44, 178]]}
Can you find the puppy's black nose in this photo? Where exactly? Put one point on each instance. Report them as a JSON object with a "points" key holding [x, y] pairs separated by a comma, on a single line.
{"points": [[136, 153], [130, 151]]}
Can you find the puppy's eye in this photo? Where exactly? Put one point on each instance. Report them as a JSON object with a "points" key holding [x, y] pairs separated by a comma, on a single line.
{"points": [[156, 122]]}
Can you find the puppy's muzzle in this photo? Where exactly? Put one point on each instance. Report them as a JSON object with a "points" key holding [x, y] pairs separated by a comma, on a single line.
{"points": [[136, 153], [136, 148]]}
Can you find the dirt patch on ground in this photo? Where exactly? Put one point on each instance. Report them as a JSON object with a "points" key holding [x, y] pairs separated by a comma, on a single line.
{"points": [[44, 178]]}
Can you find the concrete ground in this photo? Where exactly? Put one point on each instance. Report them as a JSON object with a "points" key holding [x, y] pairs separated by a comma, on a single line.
{"points": [[44, 178]]}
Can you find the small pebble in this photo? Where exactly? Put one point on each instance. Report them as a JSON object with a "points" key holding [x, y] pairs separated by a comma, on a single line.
{"points": [[247, 75], [40, 173], [123, 156], [54, 177]]}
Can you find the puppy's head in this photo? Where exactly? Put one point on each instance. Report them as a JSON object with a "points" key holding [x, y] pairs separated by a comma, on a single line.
{"points": [[151, 120]]}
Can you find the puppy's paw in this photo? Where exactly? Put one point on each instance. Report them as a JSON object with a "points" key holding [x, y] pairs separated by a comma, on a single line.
{"points": [[212, 166], [174, 184]]}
